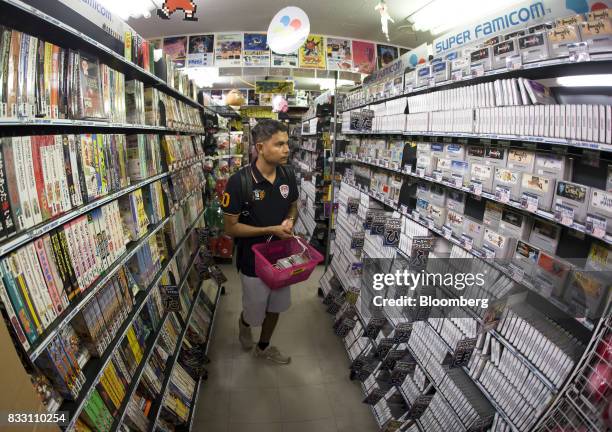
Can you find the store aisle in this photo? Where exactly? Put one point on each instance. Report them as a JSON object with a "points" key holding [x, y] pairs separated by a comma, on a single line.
{"points": [[312, 394]]}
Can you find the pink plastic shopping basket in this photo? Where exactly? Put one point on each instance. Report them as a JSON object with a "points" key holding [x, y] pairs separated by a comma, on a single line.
{"points": [[267, 254]]}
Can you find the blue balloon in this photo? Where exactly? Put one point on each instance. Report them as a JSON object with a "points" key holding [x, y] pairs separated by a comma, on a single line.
{"points": [[578, 6], [285, 20], [413, 59]]}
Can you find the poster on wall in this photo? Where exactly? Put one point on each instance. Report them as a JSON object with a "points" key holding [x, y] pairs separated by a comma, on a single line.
{"points": [[285, 60], [385, 54], [228, 49], [256, 50], [364, 57], [176, 48], [339, 54], [312, 54], [201, 50]]}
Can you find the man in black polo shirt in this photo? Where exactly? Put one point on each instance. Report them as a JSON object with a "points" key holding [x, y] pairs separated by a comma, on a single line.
{"points": [[269, 211]]}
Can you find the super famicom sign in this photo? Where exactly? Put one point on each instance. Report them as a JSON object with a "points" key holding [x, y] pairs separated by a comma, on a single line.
{"points": [[518, 17]]}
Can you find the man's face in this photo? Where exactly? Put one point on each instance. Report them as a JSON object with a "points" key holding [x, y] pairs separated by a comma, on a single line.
{"points": [[275, 150]]}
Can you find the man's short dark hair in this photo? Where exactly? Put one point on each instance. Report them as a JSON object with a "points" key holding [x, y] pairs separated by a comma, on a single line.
{"points": [[264, 129]]}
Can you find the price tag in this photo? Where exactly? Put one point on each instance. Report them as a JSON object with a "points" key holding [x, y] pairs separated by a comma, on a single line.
{"points": [[368, 159], [458, 180], [564, 214], [514, 62], [431, 82], [437, 175], [596, 225], [409, 89], [467, 242], [578, 52], [529, 202], [407, 169], [415, 214], [447, 232], [502, 194], [488, 252], [476, 188], [517, 273], [457, 75], [430, 223], [478, 71], [403, 209], [394, 166], [420, 172]]}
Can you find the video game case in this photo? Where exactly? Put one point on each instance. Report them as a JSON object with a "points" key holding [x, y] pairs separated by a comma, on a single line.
{"points": [[537, 191], [600, 211], [506, 184], [571, 202]]}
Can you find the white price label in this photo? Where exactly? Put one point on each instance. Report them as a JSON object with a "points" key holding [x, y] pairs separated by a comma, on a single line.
{"points": [[467, 242], [514, 62], [432, 82], [564, 214], [447, 232], [437, 175], [430, 223], [415, 214], [476, 188], [458, 180], [578, 52], [478, 71], [489, 253], [529, 202], [407, 169], [457, 75], [403, 209], [596, 225], [502, 194], [517, 273], [420, 172], [409, 89]]}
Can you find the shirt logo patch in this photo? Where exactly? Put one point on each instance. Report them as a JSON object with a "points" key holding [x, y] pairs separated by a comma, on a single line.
{"points": [[284, 190], [259, 195]]}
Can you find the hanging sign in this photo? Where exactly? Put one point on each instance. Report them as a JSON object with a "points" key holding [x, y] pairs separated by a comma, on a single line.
{"points": [[288, 30], [188, 7], [274, 87]]}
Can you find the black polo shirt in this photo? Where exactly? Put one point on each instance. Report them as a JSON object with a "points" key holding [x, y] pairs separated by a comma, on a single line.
{"points": [[270, 205]]}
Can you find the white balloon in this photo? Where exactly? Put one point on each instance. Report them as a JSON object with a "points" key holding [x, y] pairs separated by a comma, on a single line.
{"points": [[288, 30]]}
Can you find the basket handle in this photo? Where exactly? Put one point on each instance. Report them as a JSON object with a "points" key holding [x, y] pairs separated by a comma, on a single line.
{"points": [[298, 239]]}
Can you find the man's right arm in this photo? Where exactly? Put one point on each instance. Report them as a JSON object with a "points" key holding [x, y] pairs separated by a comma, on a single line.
{"points": [[234, 228]]}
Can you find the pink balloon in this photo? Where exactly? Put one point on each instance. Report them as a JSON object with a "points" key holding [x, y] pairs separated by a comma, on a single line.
{"points": [[296, 23]]}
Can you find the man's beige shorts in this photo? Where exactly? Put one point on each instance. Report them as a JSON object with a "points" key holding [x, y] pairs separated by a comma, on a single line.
{"points": [[257, 299]]}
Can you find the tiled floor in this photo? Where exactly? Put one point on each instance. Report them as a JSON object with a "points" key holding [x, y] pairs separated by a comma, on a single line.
{"points": [[312, 394]]}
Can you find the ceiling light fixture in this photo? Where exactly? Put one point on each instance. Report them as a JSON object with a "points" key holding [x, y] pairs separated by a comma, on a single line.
{"points": [[129, 9], [603, 80], [328, 83], [204, 76], [438, 16]]}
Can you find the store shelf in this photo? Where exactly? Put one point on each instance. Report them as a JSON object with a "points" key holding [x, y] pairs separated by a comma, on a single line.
{"points": [[598, 63], [129, 393], [90, 125], [194, 404], [76, 306], [95, 367], [586, 323], [157, 405], [487, 136], [49, 28], [22, 237]]}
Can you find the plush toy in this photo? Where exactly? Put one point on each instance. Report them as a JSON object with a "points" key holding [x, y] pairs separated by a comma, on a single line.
{"points": [[279, 104], [234, 98], [384, 17]]}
